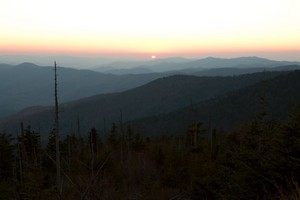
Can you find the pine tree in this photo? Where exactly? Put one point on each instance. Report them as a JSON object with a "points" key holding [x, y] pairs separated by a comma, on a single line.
{"points": [[6, 157], [112, 137]]}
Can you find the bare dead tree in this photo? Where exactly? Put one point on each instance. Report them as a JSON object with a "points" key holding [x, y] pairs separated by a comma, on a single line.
{"points": [[20, 156], [122, 137], [56, 132], [92, 181]]}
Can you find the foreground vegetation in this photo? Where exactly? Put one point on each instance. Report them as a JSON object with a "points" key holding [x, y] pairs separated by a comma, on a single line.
{"points": [[259, 160]]}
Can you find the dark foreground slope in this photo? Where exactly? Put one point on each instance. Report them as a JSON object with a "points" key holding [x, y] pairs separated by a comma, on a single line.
{"points": [[160, 96], [277, 97]]}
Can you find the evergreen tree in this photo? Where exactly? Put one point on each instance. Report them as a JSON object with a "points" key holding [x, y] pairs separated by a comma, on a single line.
{"points": [[112, 137], [30, 141], [6, 157]]}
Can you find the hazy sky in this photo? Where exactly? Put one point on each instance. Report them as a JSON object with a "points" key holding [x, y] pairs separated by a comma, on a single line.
{"points": [[156, 27]]}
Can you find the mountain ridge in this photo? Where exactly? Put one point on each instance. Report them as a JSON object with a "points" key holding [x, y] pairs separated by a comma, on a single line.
{"points": [[28, 84], [159, 96], [169, 66], [229, 111]]}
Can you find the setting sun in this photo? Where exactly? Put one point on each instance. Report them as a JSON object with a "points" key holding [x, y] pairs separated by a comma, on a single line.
{"points": [[135, 26]]}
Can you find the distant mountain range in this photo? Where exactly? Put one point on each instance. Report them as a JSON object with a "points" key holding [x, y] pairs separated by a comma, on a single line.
{"points": [[188, 66], [161, 96], [30, 85], [136, 67], [134, 70]]}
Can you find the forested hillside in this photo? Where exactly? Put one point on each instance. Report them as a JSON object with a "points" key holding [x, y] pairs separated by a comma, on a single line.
{"points": [[160, 96], [276, 97], [234, 137], [258, 161]]}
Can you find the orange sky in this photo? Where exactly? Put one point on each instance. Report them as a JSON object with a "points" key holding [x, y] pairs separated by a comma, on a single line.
{"points": [[162, 27]]}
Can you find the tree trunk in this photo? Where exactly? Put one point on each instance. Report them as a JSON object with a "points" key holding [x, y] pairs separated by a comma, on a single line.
{"points": [[58, 176]]}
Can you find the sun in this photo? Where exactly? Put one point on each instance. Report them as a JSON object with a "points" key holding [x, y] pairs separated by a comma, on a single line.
{"points": [[153, 57]]}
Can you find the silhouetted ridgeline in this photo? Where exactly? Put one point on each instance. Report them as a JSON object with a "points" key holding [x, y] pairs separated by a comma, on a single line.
{"points": [[158, 97], [27, 85], [182, 65], [277, 97]]}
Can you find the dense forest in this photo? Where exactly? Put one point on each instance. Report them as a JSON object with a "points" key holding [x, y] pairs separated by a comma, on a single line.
{"points": [[260, 160], [235, 137]]}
